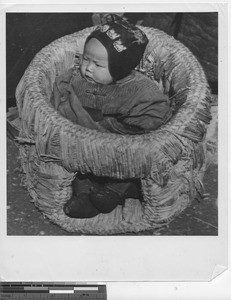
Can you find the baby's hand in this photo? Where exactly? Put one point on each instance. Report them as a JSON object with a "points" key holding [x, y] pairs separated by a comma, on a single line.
{"points": [[66, 77], [69, 88]]}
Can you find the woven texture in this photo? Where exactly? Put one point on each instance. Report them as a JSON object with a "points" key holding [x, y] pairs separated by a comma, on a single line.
{"points": [[170, 161]]}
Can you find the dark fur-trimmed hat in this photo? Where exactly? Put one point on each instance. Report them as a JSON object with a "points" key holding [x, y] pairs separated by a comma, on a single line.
{"points": [[125, 44]]}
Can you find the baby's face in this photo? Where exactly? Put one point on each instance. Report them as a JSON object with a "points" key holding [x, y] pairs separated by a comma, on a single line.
{"points": [[94, 65]]}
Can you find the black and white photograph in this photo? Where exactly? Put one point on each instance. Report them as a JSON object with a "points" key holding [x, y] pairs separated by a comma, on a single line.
{"points": [[115, 144], [112, 123]]}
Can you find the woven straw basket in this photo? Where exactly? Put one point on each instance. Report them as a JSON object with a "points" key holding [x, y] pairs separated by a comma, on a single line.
{"points": [[169, 161]]}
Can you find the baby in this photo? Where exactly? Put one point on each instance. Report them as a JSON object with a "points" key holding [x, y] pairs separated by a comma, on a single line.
{"points": [[108, 95]]}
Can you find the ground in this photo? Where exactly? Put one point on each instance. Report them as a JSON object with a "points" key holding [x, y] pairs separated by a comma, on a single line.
{"points": [[24, 219]]}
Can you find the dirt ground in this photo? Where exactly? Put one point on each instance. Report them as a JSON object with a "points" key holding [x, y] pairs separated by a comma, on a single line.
{"points": [[24, 219]]}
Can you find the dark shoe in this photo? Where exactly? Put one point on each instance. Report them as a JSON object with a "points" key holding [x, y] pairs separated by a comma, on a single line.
{"points": [[134, 190], [105, 200], [80, 207], [106, 197]]}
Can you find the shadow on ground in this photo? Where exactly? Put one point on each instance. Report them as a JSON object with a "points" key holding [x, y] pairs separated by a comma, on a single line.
{"points": [[24, 219]]}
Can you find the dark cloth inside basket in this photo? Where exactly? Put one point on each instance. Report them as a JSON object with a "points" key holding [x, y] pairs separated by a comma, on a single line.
{"points": [[93, 195]]}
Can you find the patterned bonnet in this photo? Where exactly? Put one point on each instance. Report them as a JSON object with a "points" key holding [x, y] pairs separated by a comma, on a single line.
{"points": [[124, 42]]}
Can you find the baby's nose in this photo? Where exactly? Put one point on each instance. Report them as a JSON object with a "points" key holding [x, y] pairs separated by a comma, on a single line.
{"points": [[89, 67]]}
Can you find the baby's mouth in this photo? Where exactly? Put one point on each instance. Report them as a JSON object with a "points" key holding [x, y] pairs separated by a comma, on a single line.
{"points": [[89, 79]]}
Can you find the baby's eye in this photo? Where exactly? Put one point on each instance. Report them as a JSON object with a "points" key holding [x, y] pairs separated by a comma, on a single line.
{"points": [[85, 58], [99, 65]]}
